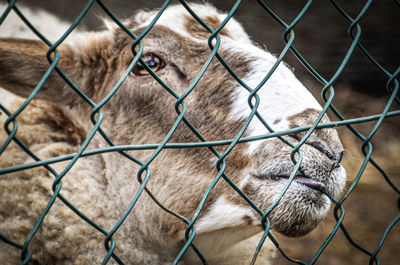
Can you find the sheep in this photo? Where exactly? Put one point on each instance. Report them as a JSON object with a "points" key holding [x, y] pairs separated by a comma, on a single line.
{"points": [[101, 186]]}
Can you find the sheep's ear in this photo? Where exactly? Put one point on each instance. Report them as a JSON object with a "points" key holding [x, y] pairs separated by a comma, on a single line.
{"points": [[22, 64]]}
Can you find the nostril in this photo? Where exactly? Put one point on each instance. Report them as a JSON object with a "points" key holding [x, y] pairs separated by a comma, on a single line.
{"points": [[337, 160], [340, 157], [336, 157], [320, 146]]}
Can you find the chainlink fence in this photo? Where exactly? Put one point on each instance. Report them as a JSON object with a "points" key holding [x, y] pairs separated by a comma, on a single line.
{"points": [[327, 93]]}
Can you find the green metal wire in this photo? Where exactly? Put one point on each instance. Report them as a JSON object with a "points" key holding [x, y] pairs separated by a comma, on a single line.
{"points": [[144, 174]]}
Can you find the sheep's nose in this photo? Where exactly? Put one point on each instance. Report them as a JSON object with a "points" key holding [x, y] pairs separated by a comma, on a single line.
{"points": [[335, 156]]}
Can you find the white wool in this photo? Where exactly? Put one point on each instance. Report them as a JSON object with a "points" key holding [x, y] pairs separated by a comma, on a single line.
{"points": [[174, 20], [281, 97]]}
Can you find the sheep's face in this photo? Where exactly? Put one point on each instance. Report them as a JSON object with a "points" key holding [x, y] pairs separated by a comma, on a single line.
{"points": [[142, 111], [176, 49]]}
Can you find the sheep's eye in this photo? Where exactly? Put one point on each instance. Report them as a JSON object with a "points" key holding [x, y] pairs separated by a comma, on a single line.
{"points": [[152, 61]]}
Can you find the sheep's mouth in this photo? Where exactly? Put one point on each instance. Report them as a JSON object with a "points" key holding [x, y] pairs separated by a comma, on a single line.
{"points": [[311, 183], [306, 181]]}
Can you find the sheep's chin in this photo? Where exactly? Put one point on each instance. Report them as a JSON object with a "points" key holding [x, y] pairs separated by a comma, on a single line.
{"points": [[299, 211], [301, 208]]}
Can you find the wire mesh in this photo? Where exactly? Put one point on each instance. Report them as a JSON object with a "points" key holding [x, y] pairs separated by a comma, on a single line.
{"points": [[144, 174]]}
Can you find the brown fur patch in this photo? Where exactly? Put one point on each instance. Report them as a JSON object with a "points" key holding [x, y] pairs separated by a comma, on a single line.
{"points": [[197, 30], [333, 149], [247, 219], [305, 118], [46, 123]]}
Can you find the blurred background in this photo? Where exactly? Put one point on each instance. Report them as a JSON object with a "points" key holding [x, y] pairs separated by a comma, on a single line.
{"points": [[360, 90]]}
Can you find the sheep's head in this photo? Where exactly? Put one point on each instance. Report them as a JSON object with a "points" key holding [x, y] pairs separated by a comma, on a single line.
{"points": [[142, 111]]}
